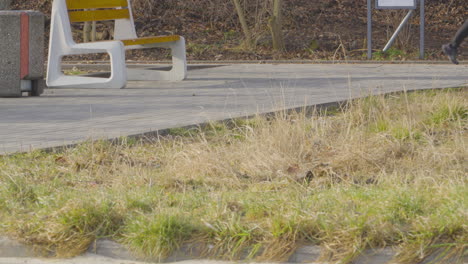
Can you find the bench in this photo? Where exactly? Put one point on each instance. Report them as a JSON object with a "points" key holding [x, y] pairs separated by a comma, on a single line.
{"points": [[65, 12]]}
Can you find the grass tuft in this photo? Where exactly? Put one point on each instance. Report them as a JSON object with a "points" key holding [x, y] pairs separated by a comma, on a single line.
{"points": [[69, 230], [156, 236]]}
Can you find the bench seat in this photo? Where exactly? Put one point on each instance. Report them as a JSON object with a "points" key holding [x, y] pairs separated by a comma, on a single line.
{"points": [[150, 40]]}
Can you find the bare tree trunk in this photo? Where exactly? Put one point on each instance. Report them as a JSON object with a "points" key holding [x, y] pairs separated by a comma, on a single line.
{"points": [[93, 31], [243, 22], [276, 26], [87, 32]]}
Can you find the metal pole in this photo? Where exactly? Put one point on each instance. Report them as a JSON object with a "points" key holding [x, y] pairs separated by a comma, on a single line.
{"points": [[422, 29], [369, 29], [400, 27]]}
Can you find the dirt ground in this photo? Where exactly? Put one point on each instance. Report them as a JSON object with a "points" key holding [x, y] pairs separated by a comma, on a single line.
{"points": [[320, 29]]}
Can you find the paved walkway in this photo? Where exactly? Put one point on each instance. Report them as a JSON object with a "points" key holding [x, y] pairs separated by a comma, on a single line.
{"points": [[212, 92], [93, 259]]}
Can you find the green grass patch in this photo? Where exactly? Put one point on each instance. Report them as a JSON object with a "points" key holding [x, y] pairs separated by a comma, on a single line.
{"points": [[156, 236], [392, 54]]}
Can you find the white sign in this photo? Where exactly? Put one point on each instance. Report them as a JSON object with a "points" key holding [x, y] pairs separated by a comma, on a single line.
{"points": [[396, 4]]}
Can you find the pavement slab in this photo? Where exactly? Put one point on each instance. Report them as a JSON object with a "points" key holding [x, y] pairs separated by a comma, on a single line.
{"points": [[211, 92]]}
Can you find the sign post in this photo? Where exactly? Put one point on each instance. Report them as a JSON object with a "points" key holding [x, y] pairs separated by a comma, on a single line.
{"points": [[396, 4], [422, 23], [369, 29]]}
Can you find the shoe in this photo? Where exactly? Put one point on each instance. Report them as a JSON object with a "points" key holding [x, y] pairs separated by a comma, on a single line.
{"points": [[451, 52]]}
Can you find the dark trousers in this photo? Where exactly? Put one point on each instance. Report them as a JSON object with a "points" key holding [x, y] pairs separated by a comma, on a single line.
{"points": [[462, 33]]}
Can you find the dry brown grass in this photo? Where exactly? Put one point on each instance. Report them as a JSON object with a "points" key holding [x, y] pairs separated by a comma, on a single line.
{"points": [[381, 171]]}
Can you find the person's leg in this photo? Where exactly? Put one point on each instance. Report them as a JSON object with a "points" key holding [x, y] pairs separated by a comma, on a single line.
{"points": [[451, 49], [462, 33]]}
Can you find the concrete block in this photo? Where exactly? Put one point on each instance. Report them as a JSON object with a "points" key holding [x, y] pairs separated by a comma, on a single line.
{"points": [[10, 248], [306, 254], [9, 54], [440, 257], [111, 249], [376, 256], [21, 50], [187, 252], [38, 87], [36, 47]]}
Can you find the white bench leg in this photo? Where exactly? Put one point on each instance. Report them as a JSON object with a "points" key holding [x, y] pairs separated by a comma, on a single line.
{"points": [[117, 80], [179, 61], [177, 73], [62, 44]]}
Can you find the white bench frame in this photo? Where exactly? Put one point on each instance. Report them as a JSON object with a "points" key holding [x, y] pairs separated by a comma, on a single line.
{"points": [[62, 44]]}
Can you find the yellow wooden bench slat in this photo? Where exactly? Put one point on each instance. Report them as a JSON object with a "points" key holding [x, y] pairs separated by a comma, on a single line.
{"points": [[90, 4], [150, 40], [98, 15]]}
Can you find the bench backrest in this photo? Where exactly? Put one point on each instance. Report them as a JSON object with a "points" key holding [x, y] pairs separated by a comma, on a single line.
{"points": [[97, 10], [101, 10]]}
